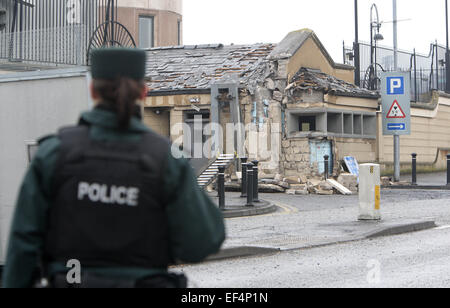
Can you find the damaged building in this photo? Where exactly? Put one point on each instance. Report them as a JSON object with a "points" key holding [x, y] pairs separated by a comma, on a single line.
{"points": [[295, 104]]}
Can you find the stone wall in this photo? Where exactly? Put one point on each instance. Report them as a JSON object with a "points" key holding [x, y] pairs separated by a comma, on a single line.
{"points": [[295, 157], [294, 151]]}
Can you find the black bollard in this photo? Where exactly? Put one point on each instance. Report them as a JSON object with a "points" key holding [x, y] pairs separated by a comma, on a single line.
{"points": [[255, 181], [326, 158], [414, 169], [221, 186], [249, 184], [244, 177], [448, 170]]}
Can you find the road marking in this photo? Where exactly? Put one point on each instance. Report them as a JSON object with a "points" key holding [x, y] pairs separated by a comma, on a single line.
{"points": [[442, 228], [287, 209]]}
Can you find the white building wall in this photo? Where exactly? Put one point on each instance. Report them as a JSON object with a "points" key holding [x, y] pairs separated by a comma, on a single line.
{"points": [[32, 105]]}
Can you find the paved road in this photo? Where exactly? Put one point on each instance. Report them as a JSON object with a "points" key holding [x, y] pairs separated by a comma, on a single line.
{"points": [[319, 203], [419, 259]]}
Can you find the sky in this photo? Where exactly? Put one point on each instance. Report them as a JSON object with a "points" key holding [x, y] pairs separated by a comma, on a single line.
{"points": [[333, 21]]}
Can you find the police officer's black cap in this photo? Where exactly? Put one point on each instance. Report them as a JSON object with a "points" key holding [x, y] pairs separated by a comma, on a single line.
{"points": [[111, 63]]}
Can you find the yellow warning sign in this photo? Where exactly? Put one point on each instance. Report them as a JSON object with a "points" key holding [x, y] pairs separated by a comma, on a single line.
{"points": [[377, 197]]}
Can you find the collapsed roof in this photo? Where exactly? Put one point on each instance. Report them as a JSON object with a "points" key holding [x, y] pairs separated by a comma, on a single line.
{"points": [[306, 79], [197, 67]]}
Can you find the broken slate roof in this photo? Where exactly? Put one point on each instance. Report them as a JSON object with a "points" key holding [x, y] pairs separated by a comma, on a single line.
{"points": [[197, 67], [306, 79]]}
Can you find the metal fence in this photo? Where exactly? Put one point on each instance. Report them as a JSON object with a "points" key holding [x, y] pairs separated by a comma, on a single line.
{"points": [[51, 31], [427, 71], [64, 45]]}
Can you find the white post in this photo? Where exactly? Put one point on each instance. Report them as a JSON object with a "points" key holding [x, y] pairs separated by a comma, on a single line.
{"points": [[369, 192]]}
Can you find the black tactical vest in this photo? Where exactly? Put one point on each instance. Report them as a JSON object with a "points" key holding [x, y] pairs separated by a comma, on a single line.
{"points": [[108, 208]]}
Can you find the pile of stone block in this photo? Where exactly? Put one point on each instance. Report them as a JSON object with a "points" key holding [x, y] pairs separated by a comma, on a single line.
{"points": [[386, 181], [306, 186], [299, 185], [349, 181]]}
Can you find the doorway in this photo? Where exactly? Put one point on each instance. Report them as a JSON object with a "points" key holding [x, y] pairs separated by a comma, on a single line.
{"points": [[195, 140]]}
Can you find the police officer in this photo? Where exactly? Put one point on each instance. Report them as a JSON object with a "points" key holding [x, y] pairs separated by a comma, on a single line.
{"points": [[110, 195]]}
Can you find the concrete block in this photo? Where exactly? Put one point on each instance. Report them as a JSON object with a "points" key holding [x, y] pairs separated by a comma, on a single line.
{"points": [[263, 176], [347, 179], [292, 180], [270, 188], [303, 178], [324, 192], [284, 185], [385, 181], [340, 188], [313, 182], [324, 185], [302, 192]]}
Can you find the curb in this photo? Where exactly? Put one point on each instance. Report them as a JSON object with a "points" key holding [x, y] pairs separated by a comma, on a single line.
{"points": [[418, 187], [241, 252], [261, 208], [401, 229], [396, 229]]}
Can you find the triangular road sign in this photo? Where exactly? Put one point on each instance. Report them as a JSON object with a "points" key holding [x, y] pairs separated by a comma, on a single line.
{"points": [[396, 111]]}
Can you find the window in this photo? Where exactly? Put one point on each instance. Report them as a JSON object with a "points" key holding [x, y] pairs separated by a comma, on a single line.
{"points": [[179, 32], [307, 124], [327, 122], [146, 32], [334, 123]]}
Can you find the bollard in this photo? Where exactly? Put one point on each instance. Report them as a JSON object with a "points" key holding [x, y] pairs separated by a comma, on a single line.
{"points": [[244, 177], [369, 192], [249, 184], [221, 186], [326, 158], [414, 169], [255, 181], [448, 170]]}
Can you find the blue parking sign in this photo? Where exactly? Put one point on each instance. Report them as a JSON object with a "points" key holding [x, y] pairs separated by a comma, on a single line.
{"points": [[395, 85], [396, 103]]}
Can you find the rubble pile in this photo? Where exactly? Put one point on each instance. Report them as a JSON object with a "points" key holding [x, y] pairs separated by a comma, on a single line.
{"points": [[295, 185], [349, 181]]}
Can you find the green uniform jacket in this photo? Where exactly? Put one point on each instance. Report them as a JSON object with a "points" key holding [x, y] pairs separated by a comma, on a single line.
{"points": [[196, 226]]}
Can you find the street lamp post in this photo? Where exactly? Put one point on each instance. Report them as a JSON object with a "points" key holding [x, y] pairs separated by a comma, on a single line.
{"points": [[356, 50], [447, 52], [373, 45]]}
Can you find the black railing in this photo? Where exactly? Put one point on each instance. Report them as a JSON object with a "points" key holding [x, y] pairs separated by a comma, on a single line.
{"points": [[56, 31], [427, 71]]}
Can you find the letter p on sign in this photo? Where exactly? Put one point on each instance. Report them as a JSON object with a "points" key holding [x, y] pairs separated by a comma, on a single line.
{"points": [[395, 86]]}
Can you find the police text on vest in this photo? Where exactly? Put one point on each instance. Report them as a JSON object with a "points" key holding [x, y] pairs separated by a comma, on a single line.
{"points": [[108, 194]]}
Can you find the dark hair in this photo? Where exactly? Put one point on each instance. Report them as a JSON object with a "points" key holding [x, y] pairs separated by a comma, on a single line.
{"points": [[120, 94]]}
